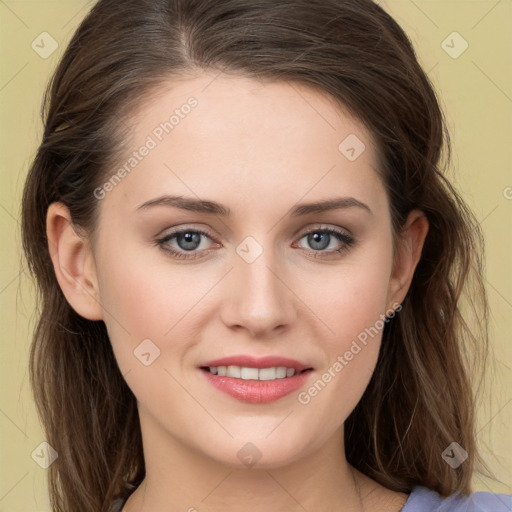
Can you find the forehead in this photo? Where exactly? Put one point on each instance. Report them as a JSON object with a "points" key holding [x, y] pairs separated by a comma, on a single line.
{"points": [[245, 142]]}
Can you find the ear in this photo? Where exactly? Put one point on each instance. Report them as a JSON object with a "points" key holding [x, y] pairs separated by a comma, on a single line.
{"points": [[408, 253], [73, 263]]}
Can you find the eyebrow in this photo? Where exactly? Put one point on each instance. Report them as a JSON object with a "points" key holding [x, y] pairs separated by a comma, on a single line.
{"points": [[211, 207]]}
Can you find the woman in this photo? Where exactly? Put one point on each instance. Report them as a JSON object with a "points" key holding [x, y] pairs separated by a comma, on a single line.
{"points": [[250, 266]]}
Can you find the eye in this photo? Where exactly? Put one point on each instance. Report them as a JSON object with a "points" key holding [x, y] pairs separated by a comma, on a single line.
{"points": [[188, 243], [321, 238]]}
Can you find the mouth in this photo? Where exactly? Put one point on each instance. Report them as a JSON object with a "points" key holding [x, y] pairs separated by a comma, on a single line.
{"points": [[249, 373], [256, 380]]}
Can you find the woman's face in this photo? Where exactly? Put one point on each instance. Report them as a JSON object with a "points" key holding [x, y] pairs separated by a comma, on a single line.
{"points": [[264, 281]]}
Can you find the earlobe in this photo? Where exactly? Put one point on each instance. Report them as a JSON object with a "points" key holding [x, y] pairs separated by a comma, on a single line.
{"points": [[408, 255], [73, 263]]}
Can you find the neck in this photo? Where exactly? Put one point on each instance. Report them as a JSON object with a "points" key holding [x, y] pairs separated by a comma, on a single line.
{"points": [[179, 478]]}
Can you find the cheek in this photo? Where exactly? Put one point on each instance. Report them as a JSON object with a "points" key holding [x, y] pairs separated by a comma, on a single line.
{"points": [[353, 306], [351, 298], [146, 298]]}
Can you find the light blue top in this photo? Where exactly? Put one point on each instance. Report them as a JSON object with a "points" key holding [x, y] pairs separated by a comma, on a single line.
{"points": [[422, 499]]}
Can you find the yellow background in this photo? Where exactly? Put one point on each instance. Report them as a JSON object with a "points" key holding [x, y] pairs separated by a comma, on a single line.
{"points": [[476, 92]]}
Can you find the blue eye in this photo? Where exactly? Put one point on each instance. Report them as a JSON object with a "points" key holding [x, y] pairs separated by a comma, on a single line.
{"points": [[188, 242], [320, 239]]}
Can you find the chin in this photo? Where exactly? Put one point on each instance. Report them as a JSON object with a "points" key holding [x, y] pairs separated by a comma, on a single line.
{"points": [[261, 453]]}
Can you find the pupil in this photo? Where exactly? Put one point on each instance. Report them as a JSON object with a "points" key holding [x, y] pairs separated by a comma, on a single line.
{"points": [[316, 240], [190, 241]]}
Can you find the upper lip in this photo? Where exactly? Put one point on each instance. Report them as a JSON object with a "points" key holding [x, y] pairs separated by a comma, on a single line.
{"points": [[258, 362]]}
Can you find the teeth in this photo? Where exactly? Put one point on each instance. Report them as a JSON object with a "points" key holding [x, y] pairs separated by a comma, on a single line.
{"points": [[242, 372], [281, 372], [267, 373], [233, 371], [248, 373]]}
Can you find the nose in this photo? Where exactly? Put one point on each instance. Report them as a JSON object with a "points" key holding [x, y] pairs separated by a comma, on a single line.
{"points": [[258, 299]]}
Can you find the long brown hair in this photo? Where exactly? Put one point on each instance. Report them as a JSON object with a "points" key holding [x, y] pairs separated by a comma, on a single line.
{"points": [[420, 398]]}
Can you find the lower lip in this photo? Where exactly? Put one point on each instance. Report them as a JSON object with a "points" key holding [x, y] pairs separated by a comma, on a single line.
{"points": [[257, 391]]}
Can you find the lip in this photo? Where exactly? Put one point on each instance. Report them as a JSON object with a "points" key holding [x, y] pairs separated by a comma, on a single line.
{"points": [[257, 391]]}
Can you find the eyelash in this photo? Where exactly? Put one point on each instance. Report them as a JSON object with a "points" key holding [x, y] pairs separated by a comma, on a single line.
{"points": [[347, 240]]}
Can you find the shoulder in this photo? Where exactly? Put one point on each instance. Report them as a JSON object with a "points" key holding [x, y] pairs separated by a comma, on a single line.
{"points": [[422, 499]]}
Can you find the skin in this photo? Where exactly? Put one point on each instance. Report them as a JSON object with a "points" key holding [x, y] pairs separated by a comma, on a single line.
{"points": [[259, 149]]}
